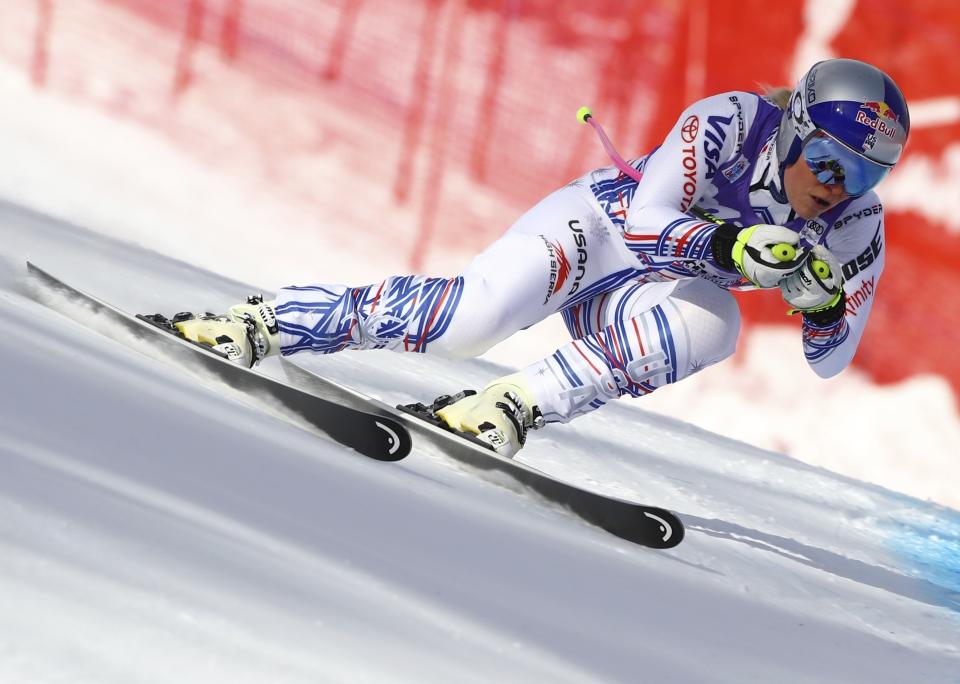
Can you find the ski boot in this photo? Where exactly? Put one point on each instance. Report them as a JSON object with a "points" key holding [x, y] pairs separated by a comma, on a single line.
{"points": [[499, 416], [246, 334]]}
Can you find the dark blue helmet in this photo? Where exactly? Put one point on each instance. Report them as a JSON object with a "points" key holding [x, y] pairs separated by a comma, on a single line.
{"points": [[850, 118]]}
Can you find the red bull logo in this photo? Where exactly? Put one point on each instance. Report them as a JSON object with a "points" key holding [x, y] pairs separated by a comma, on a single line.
{"points": [[883, 120], [881, 109]]}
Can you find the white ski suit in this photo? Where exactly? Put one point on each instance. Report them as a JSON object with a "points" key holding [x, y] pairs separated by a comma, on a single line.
{"points": [[628, 268]]}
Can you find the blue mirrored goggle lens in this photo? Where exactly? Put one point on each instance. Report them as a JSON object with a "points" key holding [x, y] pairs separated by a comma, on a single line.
{"points": [[833, 163]]}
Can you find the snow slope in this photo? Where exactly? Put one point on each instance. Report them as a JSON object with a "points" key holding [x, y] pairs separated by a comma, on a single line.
{"points": [[154, 529]]}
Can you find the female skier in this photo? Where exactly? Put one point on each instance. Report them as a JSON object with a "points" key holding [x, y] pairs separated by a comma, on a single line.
{"points": [[639, 259]]}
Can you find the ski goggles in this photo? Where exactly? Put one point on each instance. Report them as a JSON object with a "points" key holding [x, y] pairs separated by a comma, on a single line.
{"points": [[833, 163]]}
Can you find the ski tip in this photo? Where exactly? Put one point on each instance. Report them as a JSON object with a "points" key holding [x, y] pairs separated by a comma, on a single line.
{"points": [[669, 530], [393, 440]]}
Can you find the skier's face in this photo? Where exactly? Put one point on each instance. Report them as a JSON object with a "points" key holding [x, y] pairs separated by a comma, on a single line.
{"points": [[808, 196]]}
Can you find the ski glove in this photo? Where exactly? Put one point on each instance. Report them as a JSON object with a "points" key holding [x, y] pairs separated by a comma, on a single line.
{"points": [[763, 254], [816, 288]]}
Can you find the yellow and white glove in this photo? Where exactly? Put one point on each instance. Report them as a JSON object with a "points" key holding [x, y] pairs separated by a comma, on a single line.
{"points": [[763, 254], [816, 288]]}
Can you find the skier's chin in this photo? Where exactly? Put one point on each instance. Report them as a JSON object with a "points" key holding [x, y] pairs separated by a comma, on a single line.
{"points": [[812, 207]]}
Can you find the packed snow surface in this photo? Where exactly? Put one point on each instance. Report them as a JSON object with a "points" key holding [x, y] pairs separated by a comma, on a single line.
{"points": [[159, 529]]}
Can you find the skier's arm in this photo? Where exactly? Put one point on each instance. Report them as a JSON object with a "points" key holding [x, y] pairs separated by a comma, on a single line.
{"points": [[830, 341], [679, 173]]}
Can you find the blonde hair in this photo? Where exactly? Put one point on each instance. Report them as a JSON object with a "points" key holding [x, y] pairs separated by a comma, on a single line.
{"points": [[778, 95]]}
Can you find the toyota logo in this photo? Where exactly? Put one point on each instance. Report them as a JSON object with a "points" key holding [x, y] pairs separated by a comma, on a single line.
{"points": [[690, 128]]}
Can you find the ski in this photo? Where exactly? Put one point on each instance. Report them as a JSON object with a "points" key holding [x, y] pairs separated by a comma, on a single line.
{"points": [[372, 432], [635, 522], [646, 525], [373, 428]]}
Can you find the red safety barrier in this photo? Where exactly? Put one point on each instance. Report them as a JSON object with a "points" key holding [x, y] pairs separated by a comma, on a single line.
{"points": [[463, 110]]}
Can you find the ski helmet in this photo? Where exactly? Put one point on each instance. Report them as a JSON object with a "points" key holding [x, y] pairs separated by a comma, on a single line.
{"points": [[850, 122]]}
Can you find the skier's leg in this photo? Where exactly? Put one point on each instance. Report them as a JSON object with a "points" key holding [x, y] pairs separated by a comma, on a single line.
{"points": [[633, 341], [456, 317], [562, 249], [629, 341], [559, 250]]}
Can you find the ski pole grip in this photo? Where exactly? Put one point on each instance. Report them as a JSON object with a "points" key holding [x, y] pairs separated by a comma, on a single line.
{"points": [[820, 268], [783, 252]]}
